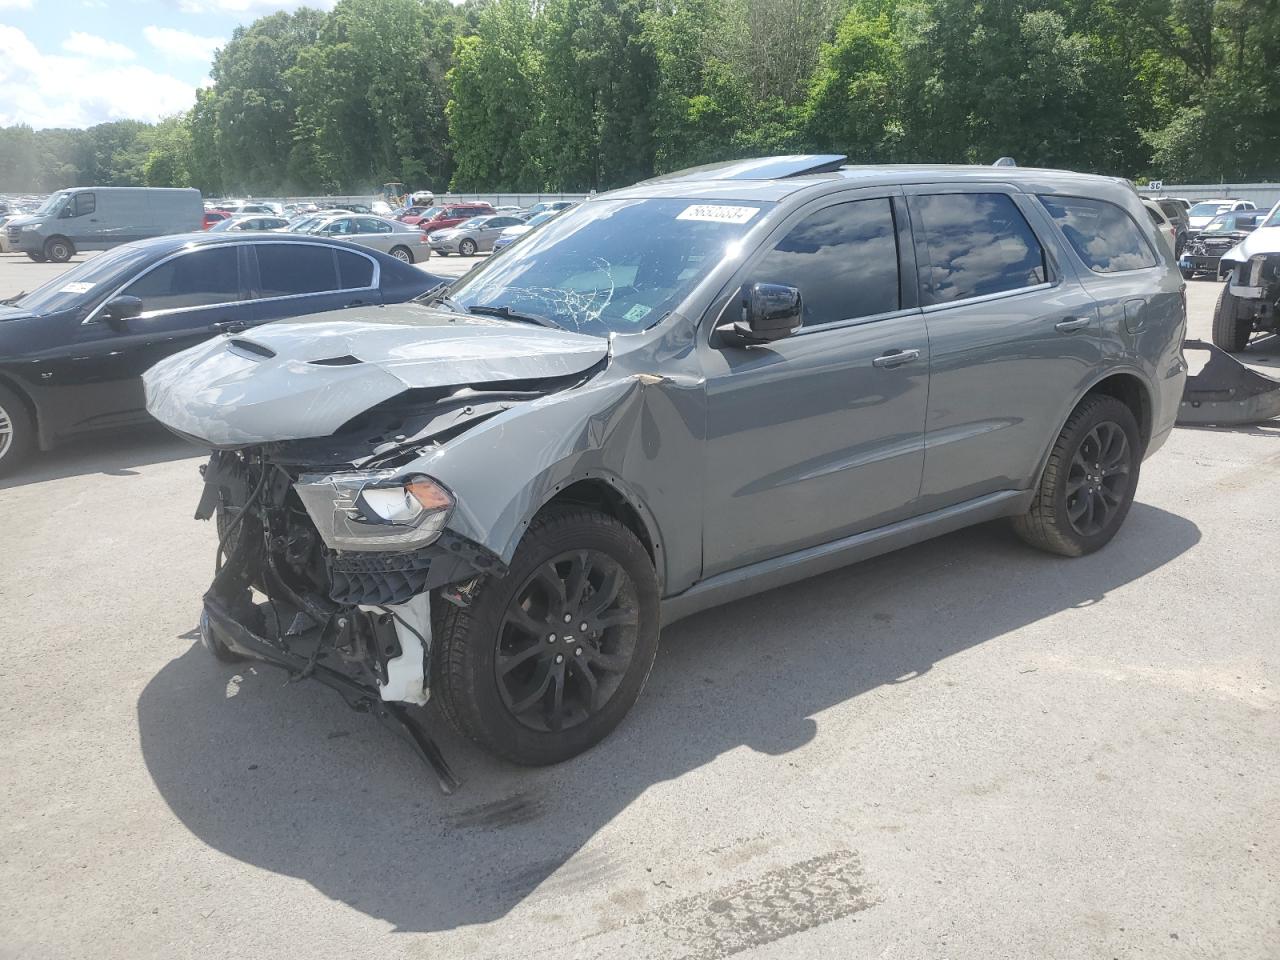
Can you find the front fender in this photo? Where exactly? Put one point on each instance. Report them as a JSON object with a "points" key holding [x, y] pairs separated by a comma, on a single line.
{"points": [[506, 469]]}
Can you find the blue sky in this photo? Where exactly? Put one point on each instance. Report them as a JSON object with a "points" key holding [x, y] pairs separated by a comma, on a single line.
{"points": [[74, 63]]}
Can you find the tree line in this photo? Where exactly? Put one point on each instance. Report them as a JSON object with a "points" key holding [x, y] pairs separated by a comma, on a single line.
{"points": [[592, 94]]}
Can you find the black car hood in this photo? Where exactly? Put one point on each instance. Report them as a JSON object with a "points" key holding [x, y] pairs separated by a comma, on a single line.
{"points": [[295, 379]]}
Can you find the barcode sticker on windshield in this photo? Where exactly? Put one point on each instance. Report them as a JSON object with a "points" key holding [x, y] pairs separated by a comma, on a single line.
{"points": [[717, 213], [78, 287]]}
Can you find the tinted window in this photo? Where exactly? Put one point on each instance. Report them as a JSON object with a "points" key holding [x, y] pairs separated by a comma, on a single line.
{"points": [[978, 244], [844, 260], [286, 269], [191, 280], [85, 203], [504, 222], [370, 225], [354, 270], [340, 228], [1104, 235]]}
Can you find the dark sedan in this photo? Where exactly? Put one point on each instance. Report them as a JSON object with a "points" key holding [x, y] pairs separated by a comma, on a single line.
{"points": [[72, 351]]}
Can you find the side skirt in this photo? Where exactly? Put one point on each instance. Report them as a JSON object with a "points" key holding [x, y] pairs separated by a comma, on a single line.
{"points": [[779, 571]]}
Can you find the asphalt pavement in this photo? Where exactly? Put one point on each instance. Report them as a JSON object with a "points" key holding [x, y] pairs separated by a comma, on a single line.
{"points": [[966, 749]]}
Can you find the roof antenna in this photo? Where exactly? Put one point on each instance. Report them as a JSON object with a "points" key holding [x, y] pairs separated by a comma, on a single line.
{"points": [[1005, 162]]}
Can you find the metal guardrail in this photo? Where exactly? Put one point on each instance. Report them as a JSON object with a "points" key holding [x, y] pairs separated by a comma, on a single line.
{"points": [[1264, 195]]}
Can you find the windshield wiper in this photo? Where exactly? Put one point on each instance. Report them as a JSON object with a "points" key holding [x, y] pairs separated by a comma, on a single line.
{"points": [[506, 313], [10, 301]]}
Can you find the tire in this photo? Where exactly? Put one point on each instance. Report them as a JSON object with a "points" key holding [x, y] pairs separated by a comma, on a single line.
{"points": [[17, 431], [403, 254], [598, 674], [59, 249], [1080, 504], [467, 248], [37, 257], [1230, 330]]}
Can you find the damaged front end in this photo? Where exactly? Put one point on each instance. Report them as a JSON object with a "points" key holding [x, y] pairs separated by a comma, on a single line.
{"points": [[333, 549]]}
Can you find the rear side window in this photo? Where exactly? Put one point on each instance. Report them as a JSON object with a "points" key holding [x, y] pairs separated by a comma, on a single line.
{"points": [[978, 244], [197, 279], [288, 269], [354, 270], [843, 259], [1104, 235]]}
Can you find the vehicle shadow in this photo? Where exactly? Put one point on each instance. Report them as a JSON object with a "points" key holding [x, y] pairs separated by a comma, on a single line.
{"points": [[288, 780], [115, 454]]}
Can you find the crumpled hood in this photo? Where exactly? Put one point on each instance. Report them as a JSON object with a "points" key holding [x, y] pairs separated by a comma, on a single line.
{"points": [[306, 378], [1263, 240]]}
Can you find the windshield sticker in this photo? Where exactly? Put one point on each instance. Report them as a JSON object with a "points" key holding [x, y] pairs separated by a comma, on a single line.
{"points": [[717, 213], [78, 287], [637, 313]]}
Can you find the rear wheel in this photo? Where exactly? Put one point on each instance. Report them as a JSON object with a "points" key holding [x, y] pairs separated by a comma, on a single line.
{"points": [[59, 249], [467, 248], [1089, 482], [546, 661], [1231, 330], [17, 431], [402, 253]]}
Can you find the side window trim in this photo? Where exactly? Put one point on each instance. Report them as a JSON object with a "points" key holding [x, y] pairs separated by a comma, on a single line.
{"points": [[147, 315], [711, 315], [1075, 254], [373, 284], [924, 261]]}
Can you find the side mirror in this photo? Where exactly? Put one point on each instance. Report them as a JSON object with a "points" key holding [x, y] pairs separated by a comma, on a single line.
{"points": [[763, 312], [120, 309]]}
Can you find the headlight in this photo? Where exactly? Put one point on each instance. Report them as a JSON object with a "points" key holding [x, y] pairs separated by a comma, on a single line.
{"points": [[378, 510], [30, 226]]}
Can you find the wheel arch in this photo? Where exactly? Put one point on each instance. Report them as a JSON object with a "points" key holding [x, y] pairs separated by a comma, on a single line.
{"points": [[1124, 384], [602, 491], [42, 441]]}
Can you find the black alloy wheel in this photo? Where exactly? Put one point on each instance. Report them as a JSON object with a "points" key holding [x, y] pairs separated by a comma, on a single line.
{"points": [[1098, 479], [567, 640]]}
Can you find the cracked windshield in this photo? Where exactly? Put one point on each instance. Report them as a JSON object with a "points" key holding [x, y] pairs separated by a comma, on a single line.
{"points": [[610, 266]]}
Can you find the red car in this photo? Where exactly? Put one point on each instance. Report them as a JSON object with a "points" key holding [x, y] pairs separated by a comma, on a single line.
{"points": [[211, 217], [441, 218]]}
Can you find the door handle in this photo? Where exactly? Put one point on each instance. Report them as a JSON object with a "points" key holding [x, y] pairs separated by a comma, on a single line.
{"points": [[895, 358], [1071, 323], [231, 326]]}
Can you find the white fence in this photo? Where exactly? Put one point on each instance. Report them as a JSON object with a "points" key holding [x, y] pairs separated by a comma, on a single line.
{"points": [[1264, 195]]}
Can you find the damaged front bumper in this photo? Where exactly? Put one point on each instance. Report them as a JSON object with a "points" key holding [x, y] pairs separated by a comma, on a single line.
{"points": [[220, 626], [358, 621]]}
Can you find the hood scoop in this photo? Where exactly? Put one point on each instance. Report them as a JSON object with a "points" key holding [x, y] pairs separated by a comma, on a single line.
{"points": [[300, 379]]}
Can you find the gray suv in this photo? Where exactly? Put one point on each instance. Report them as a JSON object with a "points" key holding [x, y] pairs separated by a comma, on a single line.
{"points": [[673, 396]]}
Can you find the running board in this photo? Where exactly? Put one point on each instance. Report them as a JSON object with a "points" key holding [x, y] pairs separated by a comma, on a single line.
{"points": [[780, 571], [1226, 393]]}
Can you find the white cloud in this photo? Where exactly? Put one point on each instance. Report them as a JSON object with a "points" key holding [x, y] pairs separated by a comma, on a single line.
{"points": [[15, 4], [46, 90], [96, 48], [180, 45]]}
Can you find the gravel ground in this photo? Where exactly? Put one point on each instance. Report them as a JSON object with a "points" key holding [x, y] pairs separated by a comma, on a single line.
{"points": [[964, 750]]}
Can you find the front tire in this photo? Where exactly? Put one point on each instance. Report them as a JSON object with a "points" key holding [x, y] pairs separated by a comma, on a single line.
{"points": [[17, 431], [37, 257], [59, 249], [1230, 330], [1088, 483], [545, 662], [467, 248], [403, 254]]}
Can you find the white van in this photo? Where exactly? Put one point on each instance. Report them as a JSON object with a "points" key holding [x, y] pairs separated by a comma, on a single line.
{"points": [[98, 218]]}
